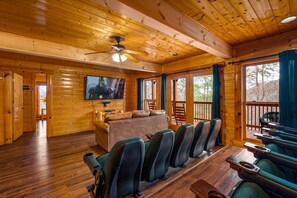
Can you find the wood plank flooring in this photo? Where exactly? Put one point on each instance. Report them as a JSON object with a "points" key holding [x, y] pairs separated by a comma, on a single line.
{"points": [[36, 166]]}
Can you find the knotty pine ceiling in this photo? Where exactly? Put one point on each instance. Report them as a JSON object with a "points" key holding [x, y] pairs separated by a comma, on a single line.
{"points": [[83, 24], [240, 21]]}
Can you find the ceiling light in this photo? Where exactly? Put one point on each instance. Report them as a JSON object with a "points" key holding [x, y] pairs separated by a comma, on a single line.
{"points": [[117, 57], [288, 19]]}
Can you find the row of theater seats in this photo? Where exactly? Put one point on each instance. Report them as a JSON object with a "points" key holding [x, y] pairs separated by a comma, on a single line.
{"points": [[118, 173], [273, 174]]}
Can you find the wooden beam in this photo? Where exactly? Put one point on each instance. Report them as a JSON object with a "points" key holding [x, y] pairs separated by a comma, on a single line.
{"points": [[165, 18], [266, 46], [192, 63], [41, 48]]}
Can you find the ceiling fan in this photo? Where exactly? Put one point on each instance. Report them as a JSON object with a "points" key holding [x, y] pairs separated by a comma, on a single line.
{"points": [[120, 53]]}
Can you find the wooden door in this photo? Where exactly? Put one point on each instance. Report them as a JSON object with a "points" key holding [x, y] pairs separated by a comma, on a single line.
{"points": [[18, 106]]}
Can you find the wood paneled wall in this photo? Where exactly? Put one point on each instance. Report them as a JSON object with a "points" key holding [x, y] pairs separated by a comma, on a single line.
{"points": [[229, 105], [29, 102], [1, 108], [71, 112]]}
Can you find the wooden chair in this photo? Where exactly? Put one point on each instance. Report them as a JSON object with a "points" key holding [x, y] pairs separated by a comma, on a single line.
{"points": [[179, 113], [151, 104]]}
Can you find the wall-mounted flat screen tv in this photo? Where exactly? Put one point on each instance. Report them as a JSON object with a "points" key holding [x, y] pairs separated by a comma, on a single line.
{"points": [[102, 88]]}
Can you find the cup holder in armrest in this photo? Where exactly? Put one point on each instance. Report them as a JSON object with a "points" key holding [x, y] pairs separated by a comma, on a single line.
{"points": [[256, 148], [215, 194], [242, 165], [262, 136], [246, 165], [262, 148]]}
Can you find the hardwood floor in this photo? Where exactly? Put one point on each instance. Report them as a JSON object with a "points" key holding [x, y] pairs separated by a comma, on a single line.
{"points": [[36, 166], [214, 170]]}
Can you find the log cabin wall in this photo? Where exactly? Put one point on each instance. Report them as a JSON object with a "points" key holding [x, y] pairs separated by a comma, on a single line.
{"points": [[29, 102], [1, 108], [71, 112]]}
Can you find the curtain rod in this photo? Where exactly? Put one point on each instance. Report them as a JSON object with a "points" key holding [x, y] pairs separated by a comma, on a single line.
{"points": [[186, 71], [251, 59]]}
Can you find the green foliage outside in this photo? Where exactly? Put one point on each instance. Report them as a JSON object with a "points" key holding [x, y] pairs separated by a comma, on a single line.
{"points": [[202, 88]]}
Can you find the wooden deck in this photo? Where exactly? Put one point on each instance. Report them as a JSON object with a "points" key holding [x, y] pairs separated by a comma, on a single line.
{"points": [[36, 166]]}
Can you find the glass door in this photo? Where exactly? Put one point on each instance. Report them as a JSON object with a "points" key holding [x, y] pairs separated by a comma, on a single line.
{"points": [[178, 100], [202, 97]]}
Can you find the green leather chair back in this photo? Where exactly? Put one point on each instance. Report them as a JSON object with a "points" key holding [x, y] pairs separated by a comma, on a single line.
{"points": [[123, 168], [182, 145], [200, 136], [157, 155]]}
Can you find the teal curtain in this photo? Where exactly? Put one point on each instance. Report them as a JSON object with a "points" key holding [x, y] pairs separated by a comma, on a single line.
{"points": [[288, 88], [140, 93], [163, 91], [215, 108]]}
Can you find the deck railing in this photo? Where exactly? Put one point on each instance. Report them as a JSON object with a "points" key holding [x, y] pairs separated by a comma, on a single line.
{"points": [[202, 110], [254, 110]]}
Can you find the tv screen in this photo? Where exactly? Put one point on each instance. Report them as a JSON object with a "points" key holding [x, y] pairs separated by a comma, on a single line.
{"points": [[102, 88]]}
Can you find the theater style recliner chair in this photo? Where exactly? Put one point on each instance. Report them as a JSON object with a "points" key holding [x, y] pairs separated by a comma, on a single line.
{"points": [[157, 156], [112, 178], [203, 189], [200, 136], [277, 181], [182, 145], [215, 127], [279, 145]]}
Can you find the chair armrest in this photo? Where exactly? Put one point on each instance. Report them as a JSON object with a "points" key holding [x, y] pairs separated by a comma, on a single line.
{"points": [[282, 134], [265, 153], [275, 125], [239, 165], [203, 189], [271, 131], [93, 164], [267, 139], [282, 127], [271, 183], [256, 148], [264, 137]]}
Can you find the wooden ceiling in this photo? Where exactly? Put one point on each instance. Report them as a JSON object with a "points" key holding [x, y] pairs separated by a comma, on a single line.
{"points": [[89, 25], [84, 24], [239, 21]]}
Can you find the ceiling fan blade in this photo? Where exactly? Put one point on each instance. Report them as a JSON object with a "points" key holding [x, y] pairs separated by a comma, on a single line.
{"points": [[130, 57], [99, 52], [136, 52]]}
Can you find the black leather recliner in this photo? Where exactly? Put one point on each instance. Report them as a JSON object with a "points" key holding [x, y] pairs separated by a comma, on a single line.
{"points": [[157, 156], [200, 136], [182, 145], [118, 173], [215, 127]]}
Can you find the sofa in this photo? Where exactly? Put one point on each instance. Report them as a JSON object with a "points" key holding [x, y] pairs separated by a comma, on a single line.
{"points": [[109, 132]]}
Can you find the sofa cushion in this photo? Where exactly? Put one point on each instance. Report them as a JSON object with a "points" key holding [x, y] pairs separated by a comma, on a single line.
{"points": [[140, 113], [157, 112], [118, 116]]}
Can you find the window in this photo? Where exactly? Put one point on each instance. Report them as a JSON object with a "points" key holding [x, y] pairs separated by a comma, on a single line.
{"points": [[150, 86], [261, 94]]}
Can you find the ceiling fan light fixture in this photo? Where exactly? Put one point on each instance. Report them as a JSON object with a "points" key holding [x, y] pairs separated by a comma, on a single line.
{"points": [[116, 57], [288, 19]]}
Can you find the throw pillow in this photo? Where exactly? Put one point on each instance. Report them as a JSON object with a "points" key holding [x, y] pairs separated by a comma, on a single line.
{"points": [[140, 113], [119, 116], [157, 112]]}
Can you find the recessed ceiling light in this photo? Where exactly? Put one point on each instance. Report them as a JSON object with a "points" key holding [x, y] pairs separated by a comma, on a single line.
{"points": [[288, 19]]}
